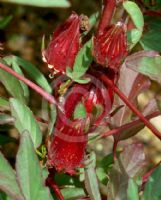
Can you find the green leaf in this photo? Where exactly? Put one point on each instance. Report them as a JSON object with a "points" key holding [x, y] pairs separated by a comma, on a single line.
{"points": [[25, 121], [40, 3], [5, 21], [73, 193], [12, 85], [151, 38], [4, 103], [91, 182], [137, 17], [31, 70], [53, 114], [29, 171], [82, 62], [149, 66], [80, 111], [8, 182], [17, 69], [152, 189], [132, 191]]}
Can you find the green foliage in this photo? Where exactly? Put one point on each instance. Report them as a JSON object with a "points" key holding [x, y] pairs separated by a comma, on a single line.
{"points": [[82, 63], [30, 69], [29, 172], [8, 181], [152, 37], [91, 182], [132, 191], [137, 17], [25, 121], [40, 3], [152, 187]]}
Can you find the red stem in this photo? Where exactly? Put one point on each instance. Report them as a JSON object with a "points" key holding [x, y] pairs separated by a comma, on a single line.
{"points": [[108, 10], [32, 85], [130, 105], [152, 13], [50, 182], [127, 126]]}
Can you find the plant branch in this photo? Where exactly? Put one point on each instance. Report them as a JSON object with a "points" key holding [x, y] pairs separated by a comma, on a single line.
{"points": [[50, 182], [32, 85], [108, 82], [127, 126], [108, 10]]}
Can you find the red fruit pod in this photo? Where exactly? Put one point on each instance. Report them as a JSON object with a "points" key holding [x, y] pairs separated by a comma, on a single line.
{"points": [[64, 46], [110, 47], [67, 147]]}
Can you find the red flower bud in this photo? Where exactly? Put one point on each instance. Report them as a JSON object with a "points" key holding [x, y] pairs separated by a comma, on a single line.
{"points": [[67, 148], [64, 46], [110, 47]]}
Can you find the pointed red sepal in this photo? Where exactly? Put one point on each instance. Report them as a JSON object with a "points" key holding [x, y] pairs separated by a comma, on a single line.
{"points": [[110, 48], [64, 46]]}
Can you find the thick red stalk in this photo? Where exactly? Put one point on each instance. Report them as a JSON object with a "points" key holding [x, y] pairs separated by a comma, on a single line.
{"points": [[106, 80], [108, 10], [32, 85]]}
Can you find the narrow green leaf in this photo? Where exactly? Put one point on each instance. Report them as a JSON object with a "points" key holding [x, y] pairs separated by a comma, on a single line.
{"points": [[17, 69], [40, 3], [31, 70], [29, 171], [82, 62], [5, 21], [137, 17], [8, 182], [53, 114], [12, 85], [91, 182], [135, 13], [25, 121], [132, 191], [152, 189]]}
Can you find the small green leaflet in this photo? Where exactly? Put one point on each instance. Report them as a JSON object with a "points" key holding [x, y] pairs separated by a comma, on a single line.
{"points": [[137, 17], [82, 63]]}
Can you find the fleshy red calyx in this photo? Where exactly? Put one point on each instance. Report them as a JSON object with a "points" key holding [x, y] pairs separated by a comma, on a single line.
{"points": [[110, 47], [67, 148], [64, 46]]}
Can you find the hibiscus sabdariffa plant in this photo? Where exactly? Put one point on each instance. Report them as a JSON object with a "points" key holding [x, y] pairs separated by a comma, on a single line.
{"points": [[87, 93]]}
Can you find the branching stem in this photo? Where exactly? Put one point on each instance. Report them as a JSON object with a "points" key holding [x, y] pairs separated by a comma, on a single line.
{"points": [[108, 82]]}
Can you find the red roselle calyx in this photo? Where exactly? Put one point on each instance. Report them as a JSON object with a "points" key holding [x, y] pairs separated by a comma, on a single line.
{"points": [[67, 147], [64, 46], [110, 47]]}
